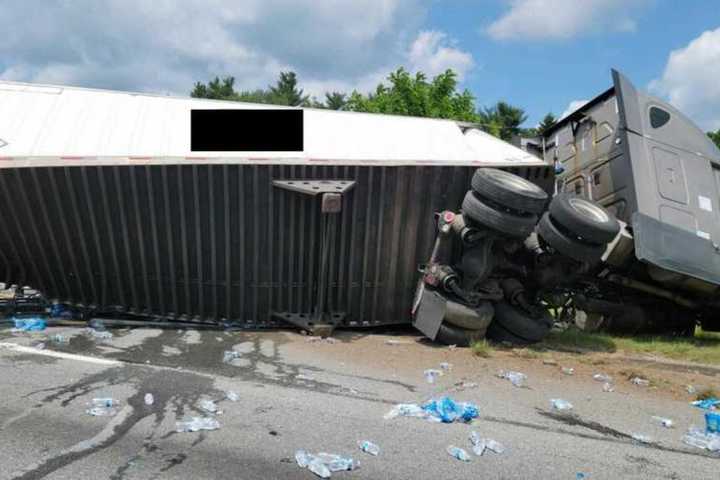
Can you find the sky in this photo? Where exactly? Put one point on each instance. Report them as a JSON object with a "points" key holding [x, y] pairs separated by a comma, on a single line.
{"points": [[541, 55]]}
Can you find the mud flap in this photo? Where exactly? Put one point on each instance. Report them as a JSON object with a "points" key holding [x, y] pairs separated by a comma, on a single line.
{"points": [[428, 311]]}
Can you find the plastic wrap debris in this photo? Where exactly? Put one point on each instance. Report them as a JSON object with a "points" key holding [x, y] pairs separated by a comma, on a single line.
{"points": [[700, 439], [707, 404], [369, 447], [560, 404], [458, 453], [712, 422], [640, 438], [568, 371], [640, 382], [322, 464], [29, 324], [195, 424], [516, 378], [443, 409], [601, 377], [432, 374], [446, 410], [665, 422]]}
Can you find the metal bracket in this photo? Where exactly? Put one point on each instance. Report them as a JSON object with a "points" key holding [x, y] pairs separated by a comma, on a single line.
{"points": [[315, 187], [321, 321]]}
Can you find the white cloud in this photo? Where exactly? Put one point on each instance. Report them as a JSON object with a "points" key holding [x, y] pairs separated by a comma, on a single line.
{"points": [[690, 79], [432, 53], [562, 19], [165, 46], [572, 106]]}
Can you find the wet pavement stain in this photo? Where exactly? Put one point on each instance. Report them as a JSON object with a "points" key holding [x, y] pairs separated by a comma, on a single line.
{"points": [[174, 391]]}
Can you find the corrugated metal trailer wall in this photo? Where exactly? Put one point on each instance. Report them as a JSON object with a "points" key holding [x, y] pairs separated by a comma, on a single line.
{"points": [[220, 241]]}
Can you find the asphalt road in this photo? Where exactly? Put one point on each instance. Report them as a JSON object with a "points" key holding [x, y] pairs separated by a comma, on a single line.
{"points": [[320, 397]]}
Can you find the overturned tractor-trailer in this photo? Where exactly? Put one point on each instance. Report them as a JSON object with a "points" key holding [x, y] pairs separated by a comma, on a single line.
{"points": [[212, 211]]}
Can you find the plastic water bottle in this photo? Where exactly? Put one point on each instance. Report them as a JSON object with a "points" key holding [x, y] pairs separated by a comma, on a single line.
{"points": [[302, 458], [568, 371], [318, 468], [232, 396], [104, 402], [369, 447], [601, 377], [640, 382], [195, 424], [230, 355], [640, 438], [431, 375], [608, 387], [516, 378], [560, 404], [445, 366], [495, 446], [149, 399], [458, 453]]}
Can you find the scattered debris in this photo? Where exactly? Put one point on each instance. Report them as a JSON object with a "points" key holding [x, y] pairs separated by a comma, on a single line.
{"points": [[210, 406], [194, 424], [302, 376], [601, 377], [58, 338], [516, 378], [98, 335], [690, 389], [608, 387], [707, 404], [29, 324], [665, 422], [452, 347], [443, 409], [550, 361], [102, 407], [149, 399], [460, 386], [317, 339], [482, 444], [712, 422], [560, 404], [432, 374], [395, 342], [458, 453], [640, 438], [445, 366], [700, 439], [232, 396], [230, 355], [39, 345], [640, 382], [568, 371], [322, 464], [369, 447]]}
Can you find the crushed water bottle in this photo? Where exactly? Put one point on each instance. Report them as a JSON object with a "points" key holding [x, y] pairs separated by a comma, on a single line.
{"points": [[494, 446], [368, 447], [336, 463], [406, 410], [318, 468], [431, 375], [149, 399], [608, 387], [560, 404], [516, 378], [478, 443], [104, 402], [700, 439], [230, 355], [232, 396], [640, 382], [458, 453], [640, 438], [690, 389], [195, 424], [568, 371], [665, 422], [210, 407], [58, 338], [445, 366], [601, 377]]}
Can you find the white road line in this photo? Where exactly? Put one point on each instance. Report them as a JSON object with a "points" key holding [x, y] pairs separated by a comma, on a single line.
{"points": [[67, 356]]}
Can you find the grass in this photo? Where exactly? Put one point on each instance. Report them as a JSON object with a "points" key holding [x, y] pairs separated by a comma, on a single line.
{"points": [[704, 347], [482, 348]]}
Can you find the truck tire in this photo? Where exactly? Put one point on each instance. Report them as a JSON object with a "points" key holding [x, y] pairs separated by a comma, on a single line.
{"points": [[478, 318], [586, 219], [499, 334], [573, 248], [513, 224], [522, 324], [452, 335], [509, 190]]}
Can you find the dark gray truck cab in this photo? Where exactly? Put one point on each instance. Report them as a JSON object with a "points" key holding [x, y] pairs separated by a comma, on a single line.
{"points": [[648, 164]]}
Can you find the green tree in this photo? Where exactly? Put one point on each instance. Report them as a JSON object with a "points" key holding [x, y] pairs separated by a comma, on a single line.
{"points": [[414, 95], [502, 119], [715, 137], [217, 89], [335, 100], [547, 122], [286, 91]]}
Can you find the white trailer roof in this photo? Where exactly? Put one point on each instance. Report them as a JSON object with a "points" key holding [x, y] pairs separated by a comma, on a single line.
{"points": [[51, 125]]}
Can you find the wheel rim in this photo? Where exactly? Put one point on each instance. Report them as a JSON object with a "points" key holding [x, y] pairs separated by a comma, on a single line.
{"points": [[589, 210], [518, 182]]}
